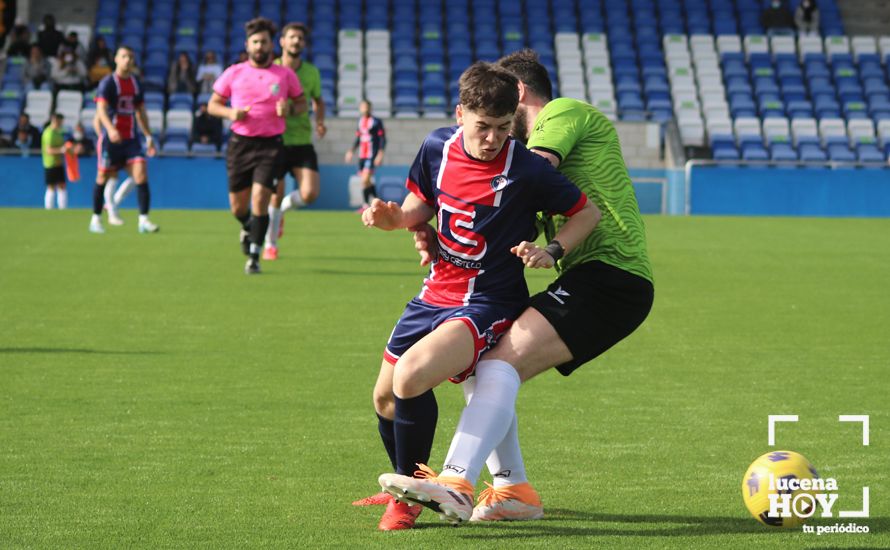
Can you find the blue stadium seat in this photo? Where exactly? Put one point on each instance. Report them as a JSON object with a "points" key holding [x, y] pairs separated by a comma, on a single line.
{"points": [[783, 152], [840, 152], [869, 152], [180, 100], [811, 152]]}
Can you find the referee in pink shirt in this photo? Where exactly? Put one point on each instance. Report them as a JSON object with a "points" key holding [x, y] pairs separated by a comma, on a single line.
{"points": [[261, 94]]}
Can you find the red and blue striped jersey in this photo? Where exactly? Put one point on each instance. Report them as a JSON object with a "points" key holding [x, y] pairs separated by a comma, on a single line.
{"points": [[370, 137], [122, 96], [483, 209]]}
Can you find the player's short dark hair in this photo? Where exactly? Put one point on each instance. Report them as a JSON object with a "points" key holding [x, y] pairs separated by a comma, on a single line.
{"points": [[260, 24], [527, 68], [124, 47], [58, 116], [487, 88], [295, 26]]}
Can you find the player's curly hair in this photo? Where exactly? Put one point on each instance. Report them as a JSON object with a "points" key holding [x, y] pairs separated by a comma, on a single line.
{"points": [[527, 68], [260, 24], [487, 88]]}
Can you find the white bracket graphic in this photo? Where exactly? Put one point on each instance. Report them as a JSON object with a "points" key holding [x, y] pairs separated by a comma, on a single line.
{"points": [[773, 418], [863, 418], [857, 418], [857, 514]]}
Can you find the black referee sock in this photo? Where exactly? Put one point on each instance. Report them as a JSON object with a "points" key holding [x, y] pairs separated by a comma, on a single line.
{"points": [[387, 434], [258, 227], [143, 195], [98, 198], [369, 193], [244, 220], [414, 428]]}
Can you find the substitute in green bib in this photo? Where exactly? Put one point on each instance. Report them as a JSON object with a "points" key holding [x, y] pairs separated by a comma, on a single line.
{"points": [[52, 145], [298, 158]]}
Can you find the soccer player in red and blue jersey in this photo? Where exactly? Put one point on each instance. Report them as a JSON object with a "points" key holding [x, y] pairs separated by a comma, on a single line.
{"points": [[484, 189], [119, 108], [370, 138]]}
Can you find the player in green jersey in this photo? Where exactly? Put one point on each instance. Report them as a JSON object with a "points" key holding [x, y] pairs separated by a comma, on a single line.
{"points": [[52, 145], [603, 293], [298, 157]]}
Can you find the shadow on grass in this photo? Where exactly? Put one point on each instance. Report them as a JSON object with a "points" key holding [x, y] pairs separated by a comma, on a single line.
{"points": [[78, 350], [572, 523]]}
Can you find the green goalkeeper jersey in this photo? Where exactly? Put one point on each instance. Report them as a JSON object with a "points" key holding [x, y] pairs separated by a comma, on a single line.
{"points": [[298, 130], [587, 144]]}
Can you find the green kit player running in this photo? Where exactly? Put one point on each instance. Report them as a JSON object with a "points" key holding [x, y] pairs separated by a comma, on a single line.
{"points": [[603, 293], [298, 157]]}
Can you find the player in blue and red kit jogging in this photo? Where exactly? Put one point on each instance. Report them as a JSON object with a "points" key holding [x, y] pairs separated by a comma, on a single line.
{"points": [[484, 188], [370, 138], [119, 108]]}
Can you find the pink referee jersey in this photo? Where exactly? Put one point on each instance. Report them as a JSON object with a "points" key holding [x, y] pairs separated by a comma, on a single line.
{"points": [[259, 88]]}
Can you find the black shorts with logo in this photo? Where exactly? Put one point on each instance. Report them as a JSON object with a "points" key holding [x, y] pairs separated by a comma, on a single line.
{"points": [[54, 175], [298, 156], [593, 306], [252, 159]]}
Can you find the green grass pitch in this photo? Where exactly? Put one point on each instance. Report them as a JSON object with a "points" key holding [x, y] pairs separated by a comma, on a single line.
{"points": [[153, 396]]}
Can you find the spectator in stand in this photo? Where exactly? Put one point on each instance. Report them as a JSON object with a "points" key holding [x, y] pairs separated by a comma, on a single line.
{"points": [[208, 71], [72, 44], [99, 62], [68, 72], [806, 17], [777, 19], [37, 68], [83, 146], [24, 134], [4, 142], [19, 41], [241, 57], [206, 128], [50, 38], [182, 76]]}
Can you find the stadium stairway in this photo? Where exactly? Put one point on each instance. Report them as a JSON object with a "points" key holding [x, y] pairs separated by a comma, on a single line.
{"points": [[866, 16], [65, 11]]}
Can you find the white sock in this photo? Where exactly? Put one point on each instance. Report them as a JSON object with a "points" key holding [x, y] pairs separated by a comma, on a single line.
{"points": [[293, 200], [505, 463], [125, 189], [274, 226], [143, 218], [96, 219], [62, 197], [49, 198], [485, 421], [110, 184]]}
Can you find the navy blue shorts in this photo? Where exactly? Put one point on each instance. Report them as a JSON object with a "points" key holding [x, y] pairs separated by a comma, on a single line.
{"points": [[365, 164], [114, 156], [487, 322]]}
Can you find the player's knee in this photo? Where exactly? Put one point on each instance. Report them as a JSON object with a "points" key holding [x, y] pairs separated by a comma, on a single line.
{"points": [[408, 379], [384, 402], [310, 195]]}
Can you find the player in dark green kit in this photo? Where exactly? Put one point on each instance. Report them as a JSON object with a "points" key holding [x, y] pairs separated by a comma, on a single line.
{"points": [[298, 157], [603, 293]]}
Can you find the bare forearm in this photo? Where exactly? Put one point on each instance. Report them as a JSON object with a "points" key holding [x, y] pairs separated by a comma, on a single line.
{"points": [[217, 109], [142, 121], [578, 227], [319, 107]]}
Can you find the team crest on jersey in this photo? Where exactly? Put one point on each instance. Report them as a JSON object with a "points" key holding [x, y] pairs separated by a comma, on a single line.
{"points": [[499, 182], [274, 88]]}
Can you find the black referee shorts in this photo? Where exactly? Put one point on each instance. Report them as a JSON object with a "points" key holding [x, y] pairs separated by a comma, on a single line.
{"points": [[297, 156], [252, 159], [593, 306]]}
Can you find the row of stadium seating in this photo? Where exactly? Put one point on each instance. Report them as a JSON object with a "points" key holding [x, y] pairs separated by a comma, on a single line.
{"points": [[630, 70]]}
